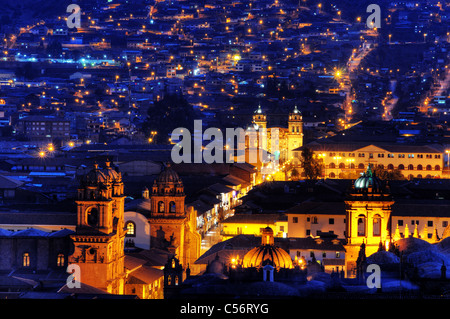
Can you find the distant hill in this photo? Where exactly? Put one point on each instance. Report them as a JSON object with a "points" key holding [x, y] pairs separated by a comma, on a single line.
{"points": [[28, 11]]}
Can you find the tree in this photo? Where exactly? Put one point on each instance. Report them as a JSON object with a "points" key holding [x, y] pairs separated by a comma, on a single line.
{"points": [[385, 174], [295, 174], [312, 165]]}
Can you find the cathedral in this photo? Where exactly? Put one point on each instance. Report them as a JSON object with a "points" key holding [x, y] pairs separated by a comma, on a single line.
{"points": [[278, 140], [102, 228], [161, 220]]}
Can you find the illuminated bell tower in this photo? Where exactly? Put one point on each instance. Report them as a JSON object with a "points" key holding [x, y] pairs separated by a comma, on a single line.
{"points": [[368, 217], [260, 125], [295, 131], [100, 232], [168, 216]]}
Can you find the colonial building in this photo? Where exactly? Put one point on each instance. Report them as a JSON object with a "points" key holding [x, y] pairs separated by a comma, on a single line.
{"points": [[348, 160], [369, 214], [278, 140], [163, 221], [99, 238]]}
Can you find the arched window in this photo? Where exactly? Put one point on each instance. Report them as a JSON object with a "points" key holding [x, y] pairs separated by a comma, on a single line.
{"points": [[381, 166], [332, 165], [401, 166], [428, 176], [342, 165], [377, 225], [131, 229], [419, 167], [428, 167], [360, 166], [419, 176], [352, 165], [172, 207], [92, 216], [332, 175], [410, 167], [390, 166], [361, 225], [437, 168], [410, 177], [26, 260], [160, 207], [60, 260]]}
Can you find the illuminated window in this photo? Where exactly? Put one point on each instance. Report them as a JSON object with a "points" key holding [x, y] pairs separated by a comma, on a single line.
{"points": [[26, 260], [60, 260], [131, 229]]}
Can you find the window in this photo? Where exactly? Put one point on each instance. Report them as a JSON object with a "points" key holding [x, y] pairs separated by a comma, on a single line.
{"points": [[437, 156], [331, 221], [419, 167], [361, 225], [391, 155], [411, 167], [338, 254], [401, 166], [437, 168], [360, 166], [428, 167], [131, 229], [444, 223], [172, 207], [308, 219], [92, 216], [377, 225], [324, 255], [332, 165], [342, 165], [60, 260], [401, 155], [410, 155], [430, 223], [308, 232], [161, 207], [314, 220], [361, 155], [26, 260], [295, 220]]}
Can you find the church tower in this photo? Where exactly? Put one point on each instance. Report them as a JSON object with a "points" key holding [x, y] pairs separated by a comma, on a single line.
{"points": [[168, 217], [295, 132], [260, 125], [100, 232], [368, 216]]}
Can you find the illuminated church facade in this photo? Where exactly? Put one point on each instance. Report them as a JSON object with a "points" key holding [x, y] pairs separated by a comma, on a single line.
{"points": [[368, 215], [278, 140]]}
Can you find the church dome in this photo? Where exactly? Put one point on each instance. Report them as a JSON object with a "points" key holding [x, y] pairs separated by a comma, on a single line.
{"points": [[368, 180], [95, 176], [168, 175], [267, 254], [111, 173]]}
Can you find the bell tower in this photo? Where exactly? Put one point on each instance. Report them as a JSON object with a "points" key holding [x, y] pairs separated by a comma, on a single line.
{"points": [[100, 232], [295, 131], [168, 216], [368, 216]]}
